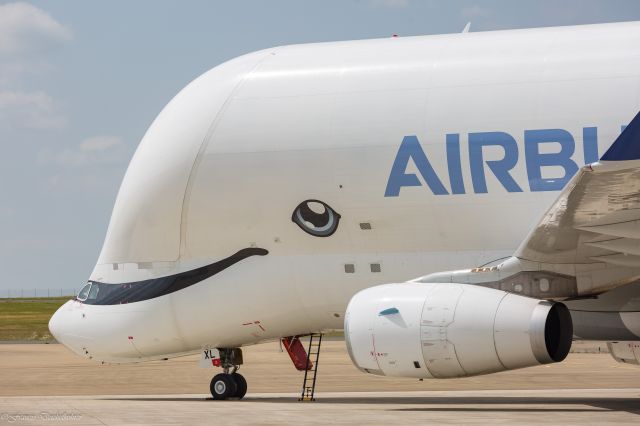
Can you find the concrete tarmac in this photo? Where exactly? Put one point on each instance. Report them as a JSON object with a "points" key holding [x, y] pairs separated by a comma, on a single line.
{"points": [[567, 407], [46, 384]]}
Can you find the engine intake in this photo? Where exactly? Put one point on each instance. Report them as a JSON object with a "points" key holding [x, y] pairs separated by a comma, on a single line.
{"points": [[429, 330]]}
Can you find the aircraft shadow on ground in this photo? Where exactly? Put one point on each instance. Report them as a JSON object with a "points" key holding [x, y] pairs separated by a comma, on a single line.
{"points": [[448, 403]]}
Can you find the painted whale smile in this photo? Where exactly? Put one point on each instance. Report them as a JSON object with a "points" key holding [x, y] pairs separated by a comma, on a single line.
{"points": [[98, 293]]}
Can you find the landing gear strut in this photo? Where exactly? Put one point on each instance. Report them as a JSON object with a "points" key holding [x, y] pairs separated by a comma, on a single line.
{"points": [[230, 383]]}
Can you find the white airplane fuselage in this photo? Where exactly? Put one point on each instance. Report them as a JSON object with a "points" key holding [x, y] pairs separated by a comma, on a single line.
{"points": [[503, 119]]}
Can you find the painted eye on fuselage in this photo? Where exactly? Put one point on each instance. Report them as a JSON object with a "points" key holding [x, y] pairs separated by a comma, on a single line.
{"points": [[316, 218]]}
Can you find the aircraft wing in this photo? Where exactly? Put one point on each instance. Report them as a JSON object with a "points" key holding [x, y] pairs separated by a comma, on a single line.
{"points": [[587, 243], [596, 218]]}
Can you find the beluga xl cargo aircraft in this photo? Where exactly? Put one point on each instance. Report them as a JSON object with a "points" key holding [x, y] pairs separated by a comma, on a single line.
{"points": [[459, 204]]}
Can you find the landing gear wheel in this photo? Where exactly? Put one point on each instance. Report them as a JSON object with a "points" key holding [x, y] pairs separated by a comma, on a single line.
{"points": [[241, 384], [223, 386]]}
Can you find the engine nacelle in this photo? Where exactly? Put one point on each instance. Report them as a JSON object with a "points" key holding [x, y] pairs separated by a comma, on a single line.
{"points": [[427, 330]]}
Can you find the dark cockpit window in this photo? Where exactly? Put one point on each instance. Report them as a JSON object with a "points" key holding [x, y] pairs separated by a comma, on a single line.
{"points": [[93, 292], [84, 292]]}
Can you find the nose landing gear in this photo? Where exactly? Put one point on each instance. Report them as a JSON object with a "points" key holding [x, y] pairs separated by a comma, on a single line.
{"points": [[230, 383]]}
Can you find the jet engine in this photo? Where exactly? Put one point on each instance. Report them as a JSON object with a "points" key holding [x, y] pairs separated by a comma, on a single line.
{"points": [[428, 330]]}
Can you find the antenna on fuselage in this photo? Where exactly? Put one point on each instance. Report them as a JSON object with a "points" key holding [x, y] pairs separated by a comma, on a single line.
{"points": [[466, 28]]}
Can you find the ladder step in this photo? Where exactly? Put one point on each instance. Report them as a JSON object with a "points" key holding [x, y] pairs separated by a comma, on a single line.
{"points": [[310, 374]]}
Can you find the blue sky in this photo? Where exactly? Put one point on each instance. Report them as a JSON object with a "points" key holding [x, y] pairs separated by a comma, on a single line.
{"points": [[81, 81]]}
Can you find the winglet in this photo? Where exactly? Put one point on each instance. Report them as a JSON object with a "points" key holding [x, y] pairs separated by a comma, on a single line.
{"points": [[627, 146]]}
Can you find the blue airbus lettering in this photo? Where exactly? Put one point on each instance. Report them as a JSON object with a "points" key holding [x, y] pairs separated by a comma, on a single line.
{"points": [[542, 148]]}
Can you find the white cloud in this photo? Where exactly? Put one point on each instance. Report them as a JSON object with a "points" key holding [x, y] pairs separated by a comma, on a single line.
{"points": [[99, 143], [30, 110], [27, 33], [91, 151], [389, 3], [26, 28]]}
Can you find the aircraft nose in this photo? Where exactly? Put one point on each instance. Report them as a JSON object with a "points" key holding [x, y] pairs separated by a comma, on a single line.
{"points": [[56, 324], [60, 325]]}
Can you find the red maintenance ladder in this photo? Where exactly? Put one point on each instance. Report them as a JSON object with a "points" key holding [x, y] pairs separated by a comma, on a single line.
{"points": [[303, 362]]}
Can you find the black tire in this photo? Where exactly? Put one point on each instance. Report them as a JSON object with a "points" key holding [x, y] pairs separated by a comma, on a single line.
{"points": [[223, 386], [241, 385]]}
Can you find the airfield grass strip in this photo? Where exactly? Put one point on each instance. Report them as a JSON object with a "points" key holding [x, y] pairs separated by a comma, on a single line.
{"points": [[27, 319]]}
